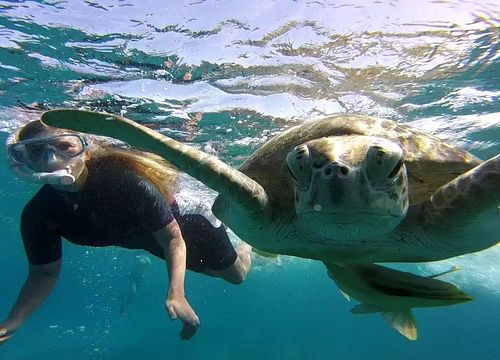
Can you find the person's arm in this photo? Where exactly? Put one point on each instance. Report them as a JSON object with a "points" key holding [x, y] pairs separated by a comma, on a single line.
{"points": [[172, 242], [38, 285]]}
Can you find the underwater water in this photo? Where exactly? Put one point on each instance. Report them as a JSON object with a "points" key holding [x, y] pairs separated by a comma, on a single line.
{"points": [[225, 76]]}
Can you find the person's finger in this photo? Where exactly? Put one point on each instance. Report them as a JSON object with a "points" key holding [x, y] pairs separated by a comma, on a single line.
{"points": [[196, 321], [3, 339], [184, 331], [171, 312], [188, 330]]}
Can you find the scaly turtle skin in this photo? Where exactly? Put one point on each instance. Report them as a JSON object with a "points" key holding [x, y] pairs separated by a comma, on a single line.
{"points": [[346, 189]]}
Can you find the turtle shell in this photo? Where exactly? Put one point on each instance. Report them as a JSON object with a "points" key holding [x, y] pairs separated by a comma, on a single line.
{"points": [[430, 161]]}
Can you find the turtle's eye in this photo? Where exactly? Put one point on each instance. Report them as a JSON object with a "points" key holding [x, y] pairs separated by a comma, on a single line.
{"points": [[396, 169]]}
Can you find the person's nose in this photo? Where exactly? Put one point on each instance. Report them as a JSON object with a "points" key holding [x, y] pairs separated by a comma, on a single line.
{"points": [[51, 158]]}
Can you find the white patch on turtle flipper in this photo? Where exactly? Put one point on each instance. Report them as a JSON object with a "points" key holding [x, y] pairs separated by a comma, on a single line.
{"points": [[402, 321]]}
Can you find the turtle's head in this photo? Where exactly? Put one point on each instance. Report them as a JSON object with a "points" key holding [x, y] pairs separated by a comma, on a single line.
{"points": [[355, 185]]}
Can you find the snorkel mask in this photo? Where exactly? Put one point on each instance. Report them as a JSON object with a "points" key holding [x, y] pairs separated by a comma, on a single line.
{"points": [[49, 152]]}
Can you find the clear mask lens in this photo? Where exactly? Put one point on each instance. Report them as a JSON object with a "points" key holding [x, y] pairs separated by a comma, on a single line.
{"points": [[64, 146]]}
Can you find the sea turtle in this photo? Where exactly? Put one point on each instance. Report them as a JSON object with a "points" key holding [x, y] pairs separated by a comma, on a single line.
{"points": [[347, 190]]}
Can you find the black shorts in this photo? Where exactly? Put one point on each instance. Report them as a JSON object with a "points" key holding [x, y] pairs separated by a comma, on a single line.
{"points": [[207, 247]]}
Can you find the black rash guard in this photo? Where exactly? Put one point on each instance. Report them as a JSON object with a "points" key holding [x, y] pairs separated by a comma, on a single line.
{"points": [[117, 208]]}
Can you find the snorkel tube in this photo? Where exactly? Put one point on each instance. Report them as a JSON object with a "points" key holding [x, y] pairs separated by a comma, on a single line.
{"points": [[59, 177]]}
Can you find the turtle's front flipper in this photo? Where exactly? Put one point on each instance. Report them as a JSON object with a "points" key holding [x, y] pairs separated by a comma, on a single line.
{"points": [[236, 186], [465, 212], [393, 293]]}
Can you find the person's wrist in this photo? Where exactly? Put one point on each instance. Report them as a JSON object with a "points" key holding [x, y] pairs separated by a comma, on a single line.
{"points": [[175, 295]]}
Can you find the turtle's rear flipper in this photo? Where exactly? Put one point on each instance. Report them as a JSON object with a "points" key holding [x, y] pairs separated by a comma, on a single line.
{"points": [[402, 320], [389, 288], [393, 293], [450, 270], [466, 210]]}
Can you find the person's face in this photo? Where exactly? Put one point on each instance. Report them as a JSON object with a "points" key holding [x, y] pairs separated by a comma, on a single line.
{"points": [[51, 151]]}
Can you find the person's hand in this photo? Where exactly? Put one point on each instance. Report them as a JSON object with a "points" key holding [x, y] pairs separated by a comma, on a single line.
{"points": [[6, 332], [179, 308]]}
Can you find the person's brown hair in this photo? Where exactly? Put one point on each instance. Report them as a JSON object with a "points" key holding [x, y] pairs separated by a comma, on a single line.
{"points": [[33, 129], [147, 165]]}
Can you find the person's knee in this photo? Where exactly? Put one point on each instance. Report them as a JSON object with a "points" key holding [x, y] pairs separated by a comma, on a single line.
{"points": [[236, 273], [237, 277], [236, 280]]}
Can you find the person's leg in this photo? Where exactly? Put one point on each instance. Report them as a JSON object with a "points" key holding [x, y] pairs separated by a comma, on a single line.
{"points": [[236, 273], [211, 247]]}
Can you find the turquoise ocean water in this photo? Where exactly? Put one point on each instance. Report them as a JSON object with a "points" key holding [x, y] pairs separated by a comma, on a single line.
{"points": [[225, 76]]}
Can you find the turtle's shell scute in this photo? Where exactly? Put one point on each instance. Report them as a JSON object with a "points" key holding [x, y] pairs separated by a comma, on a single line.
{"points": [[430, 161]]}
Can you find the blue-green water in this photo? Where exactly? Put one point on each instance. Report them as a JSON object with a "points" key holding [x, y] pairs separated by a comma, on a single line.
{"points": [[256, 67]]}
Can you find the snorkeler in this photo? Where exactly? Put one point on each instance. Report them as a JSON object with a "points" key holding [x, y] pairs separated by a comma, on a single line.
{"points": [[103, 196]]}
